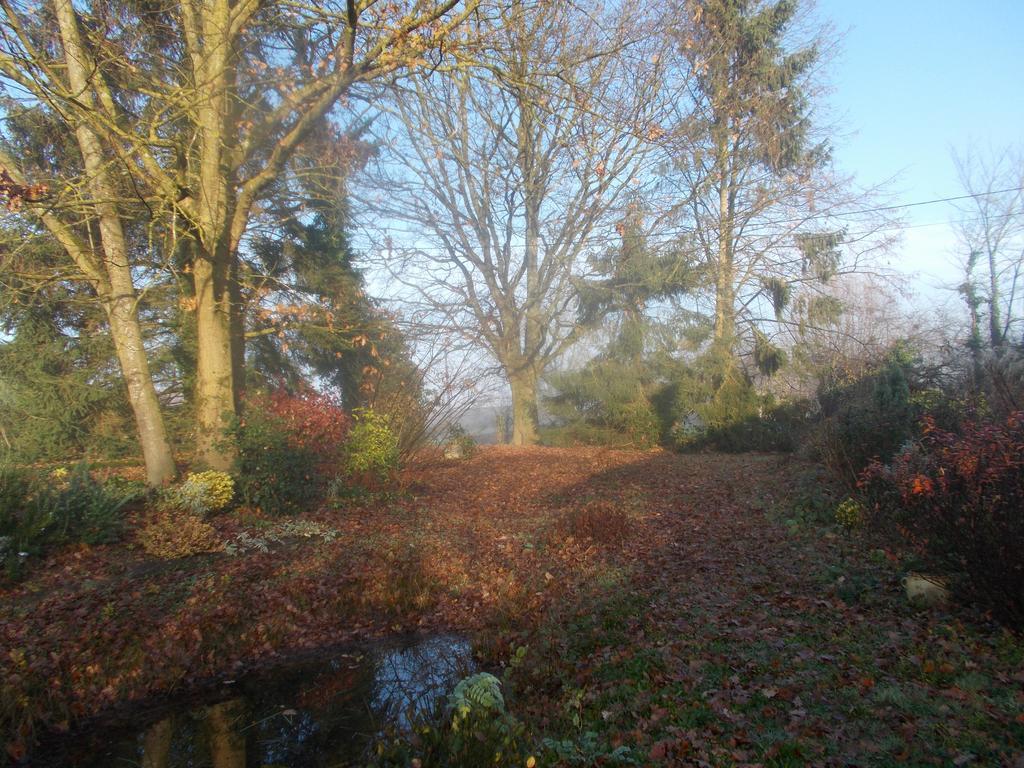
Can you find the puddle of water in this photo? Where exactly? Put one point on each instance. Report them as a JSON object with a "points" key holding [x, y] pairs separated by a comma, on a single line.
{"points": [[311, 714]]}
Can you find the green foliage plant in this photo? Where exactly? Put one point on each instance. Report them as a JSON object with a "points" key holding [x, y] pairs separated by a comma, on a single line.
{"points": [[274, 473], [476, 730], [713, 404], [371, 452], [84, 509], [867, 418], [38, 513], [604, 403]]}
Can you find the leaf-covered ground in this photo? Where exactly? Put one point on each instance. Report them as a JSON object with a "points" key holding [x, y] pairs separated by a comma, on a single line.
{"points": [[668, 604]]}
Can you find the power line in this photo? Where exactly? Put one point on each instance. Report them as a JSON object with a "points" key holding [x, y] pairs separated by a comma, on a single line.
{"points": [[882, 208], [668, 235]]}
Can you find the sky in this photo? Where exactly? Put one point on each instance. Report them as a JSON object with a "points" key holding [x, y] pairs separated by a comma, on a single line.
{"points": [[912, 81]]}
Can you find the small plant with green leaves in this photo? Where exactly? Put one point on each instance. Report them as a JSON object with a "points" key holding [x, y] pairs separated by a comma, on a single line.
{"points": [[66, 507], [850, 514], [588, 749], [475, 695], [277, 534], [371, 453], [477, 729]]}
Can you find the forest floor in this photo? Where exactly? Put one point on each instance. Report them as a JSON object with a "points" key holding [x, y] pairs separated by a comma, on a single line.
{"points": [[684, 607]]}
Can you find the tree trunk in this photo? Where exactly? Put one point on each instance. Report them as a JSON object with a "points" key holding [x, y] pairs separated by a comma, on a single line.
{"points": [[995, 320], [237, 310], [214, 269], [118, 292], [215, 380], [974, 343], [126, 333], [524, 406], [725, 300]]}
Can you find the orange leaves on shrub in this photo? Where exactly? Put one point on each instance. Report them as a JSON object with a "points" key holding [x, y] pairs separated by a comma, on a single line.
{"points": [[178, 534], [921, 485], [957, 497]]}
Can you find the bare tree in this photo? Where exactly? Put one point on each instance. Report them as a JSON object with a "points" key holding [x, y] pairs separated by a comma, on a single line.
{"points": [[991, 233], [501, 177]]}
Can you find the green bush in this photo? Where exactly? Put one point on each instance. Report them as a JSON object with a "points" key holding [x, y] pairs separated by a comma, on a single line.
{"points": [[476, 730], [37, 513], [605, 403], [714, 405], [16, 486], [274, 474], [772, 428], [21, 524], [371, 453], [84, 509], [580, 433], [706, 400], [866, 419]]}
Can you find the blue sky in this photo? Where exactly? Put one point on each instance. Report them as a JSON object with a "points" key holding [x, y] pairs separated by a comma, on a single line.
{"points": [[912, 81]]}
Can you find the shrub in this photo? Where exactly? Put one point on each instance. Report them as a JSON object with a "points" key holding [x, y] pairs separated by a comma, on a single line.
{"points": [[281, 466], [202, 492], [22, 525], [581, 433], [606, 403], [171, 535], [714, 404], [866, 419], [66, 507], [478, 730], [313, 421], [84, 509], [768, 428], [850, 514], [958, 500], [16, 486], [371, 453]]}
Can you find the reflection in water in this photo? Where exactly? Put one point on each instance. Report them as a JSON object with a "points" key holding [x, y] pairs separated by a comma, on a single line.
{"points": [[156, 744], [306, 715]]}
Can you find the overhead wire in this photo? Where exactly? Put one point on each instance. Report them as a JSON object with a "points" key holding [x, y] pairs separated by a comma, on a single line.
{"points": [[668, 235]]}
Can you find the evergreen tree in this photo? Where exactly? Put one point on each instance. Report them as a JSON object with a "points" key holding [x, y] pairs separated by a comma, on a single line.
{"points": [[747, 154], [613, 391], [60, 393]]}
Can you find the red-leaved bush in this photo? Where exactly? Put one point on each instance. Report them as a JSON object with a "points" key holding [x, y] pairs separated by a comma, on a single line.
{"points": [[289, 445], [312, 421], [958, 498]]}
